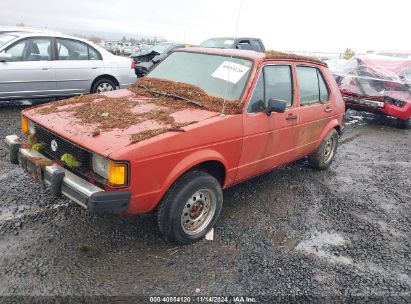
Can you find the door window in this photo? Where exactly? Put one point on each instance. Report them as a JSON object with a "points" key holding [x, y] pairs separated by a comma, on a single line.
{"points": [[312, 86], [75, 50], [32, 49], [275, 82]]}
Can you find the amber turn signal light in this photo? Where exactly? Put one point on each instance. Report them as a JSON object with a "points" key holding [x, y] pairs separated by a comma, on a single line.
{"points": [[25, 125], [117, 174]]}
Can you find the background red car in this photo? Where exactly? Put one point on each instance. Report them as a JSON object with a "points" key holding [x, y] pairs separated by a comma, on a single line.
{"points": [[378, 84]]}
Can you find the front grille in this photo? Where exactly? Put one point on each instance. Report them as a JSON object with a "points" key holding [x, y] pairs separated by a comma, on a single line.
{"points": [[63, 147]]}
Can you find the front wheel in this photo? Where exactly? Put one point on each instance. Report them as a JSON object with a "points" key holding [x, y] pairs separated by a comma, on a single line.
{"points": [[323, 157], [190, 208], [103, 85]]}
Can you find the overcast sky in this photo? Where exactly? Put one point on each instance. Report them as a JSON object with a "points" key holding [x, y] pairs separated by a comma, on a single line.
{"points": [[294, 25]]}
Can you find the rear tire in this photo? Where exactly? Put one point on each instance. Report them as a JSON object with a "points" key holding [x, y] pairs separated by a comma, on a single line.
{"points": [[103, 85], [323, 157], [190, 208]]}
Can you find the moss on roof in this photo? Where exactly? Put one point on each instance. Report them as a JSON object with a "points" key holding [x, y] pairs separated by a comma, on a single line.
{"points": [[281, 55]]}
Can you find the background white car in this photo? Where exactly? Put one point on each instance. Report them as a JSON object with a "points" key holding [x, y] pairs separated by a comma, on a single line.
{"points": [[39, 65]]}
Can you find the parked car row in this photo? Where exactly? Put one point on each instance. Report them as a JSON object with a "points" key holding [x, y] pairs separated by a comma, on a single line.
{"points": [[124, 48]]}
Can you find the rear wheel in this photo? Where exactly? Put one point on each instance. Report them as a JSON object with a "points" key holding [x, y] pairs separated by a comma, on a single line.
{"points": [[103, 85], [323, 157], [190, 208]]}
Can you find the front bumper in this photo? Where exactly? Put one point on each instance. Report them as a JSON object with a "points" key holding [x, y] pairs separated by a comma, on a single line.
{"points": [[374, 106], [61, 181]]}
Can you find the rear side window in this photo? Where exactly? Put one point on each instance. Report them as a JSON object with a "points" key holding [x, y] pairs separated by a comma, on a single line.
{"points": [[312, 85], [68, 49], [275, 82]]}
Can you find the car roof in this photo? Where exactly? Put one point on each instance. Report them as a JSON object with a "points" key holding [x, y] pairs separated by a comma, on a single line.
{"points": [[46, 34], [252, 55]]}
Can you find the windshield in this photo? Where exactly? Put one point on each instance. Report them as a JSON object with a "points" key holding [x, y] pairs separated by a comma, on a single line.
{"points": [[219, 76], [6, 38], [160, 48], [220, 43]]}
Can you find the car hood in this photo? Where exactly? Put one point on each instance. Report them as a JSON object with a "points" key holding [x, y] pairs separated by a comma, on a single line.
{"points": [[96, 134]]}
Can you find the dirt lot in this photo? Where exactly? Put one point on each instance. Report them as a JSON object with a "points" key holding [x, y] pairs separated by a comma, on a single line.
{"points": [[294, 231]]}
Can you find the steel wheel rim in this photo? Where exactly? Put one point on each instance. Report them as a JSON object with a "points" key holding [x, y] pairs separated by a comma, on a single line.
{"points": [[329, 149], [198, 212], [104, 87]]}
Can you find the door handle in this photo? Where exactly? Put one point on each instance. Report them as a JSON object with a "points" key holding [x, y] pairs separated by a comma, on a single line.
{"points": [[328, 110], [94, 68], [45, 69], [292, 117]]}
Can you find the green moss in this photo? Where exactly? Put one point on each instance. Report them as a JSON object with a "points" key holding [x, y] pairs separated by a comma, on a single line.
{"points": [[32, 139], [38, 147], [70, 161]]}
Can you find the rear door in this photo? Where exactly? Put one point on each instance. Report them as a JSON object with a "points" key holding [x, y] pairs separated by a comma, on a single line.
{"points": [[77, 65], [30, 72], [269, 141], [315, 109]]}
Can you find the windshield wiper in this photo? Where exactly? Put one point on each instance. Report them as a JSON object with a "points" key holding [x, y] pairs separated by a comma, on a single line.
{"points": [[196, 103]]}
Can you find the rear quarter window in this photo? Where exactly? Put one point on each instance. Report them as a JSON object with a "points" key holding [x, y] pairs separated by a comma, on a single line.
{"points": [[312, 86]]}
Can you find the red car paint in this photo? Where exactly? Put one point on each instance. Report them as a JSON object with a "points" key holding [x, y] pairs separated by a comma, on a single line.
{"points": [[246, 145]]}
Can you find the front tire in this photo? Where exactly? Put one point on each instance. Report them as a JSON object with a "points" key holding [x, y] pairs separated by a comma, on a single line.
{"points": [[190, 208], [103, 85], [323, 157]]}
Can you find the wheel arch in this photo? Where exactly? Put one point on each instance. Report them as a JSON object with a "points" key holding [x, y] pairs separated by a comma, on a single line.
{"points": [[104, 76], [209, 161], [333, 124]]}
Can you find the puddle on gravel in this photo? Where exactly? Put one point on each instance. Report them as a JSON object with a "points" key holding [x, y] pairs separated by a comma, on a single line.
{"points": [[12, 212], [318, 245]]}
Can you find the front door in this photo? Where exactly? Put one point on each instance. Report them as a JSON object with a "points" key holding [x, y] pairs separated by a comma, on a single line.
{"points": [[30, 71], [269, 140]]}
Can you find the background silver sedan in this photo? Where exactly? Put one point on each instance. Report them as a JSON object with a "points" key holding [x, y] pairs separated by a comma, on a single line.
{"points": [[39, 65]]}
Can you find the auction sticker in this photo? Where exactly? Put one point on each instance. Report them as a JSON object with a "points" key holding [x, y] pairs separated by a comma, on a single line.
{"points": [[230, 71]]}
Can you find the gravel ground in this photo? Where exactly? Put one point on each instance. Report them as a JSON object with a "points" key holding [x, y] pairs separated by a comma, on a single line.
{"points": [[295, 231]]}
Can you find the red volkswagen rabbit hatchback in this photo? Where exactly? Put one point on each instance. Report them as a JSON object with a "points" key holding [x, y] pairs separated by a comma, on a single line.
{"points": [[203, 120]]}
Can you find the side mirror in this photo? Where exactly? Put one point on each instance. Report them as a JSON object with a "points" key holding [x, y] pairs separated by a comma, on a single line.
{"points": [[5, 57], [277, 106]]}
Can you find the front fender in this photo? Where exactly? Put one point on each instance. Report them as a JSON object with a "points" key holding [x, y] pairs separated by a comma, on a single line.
{"points": [[191, 161]]}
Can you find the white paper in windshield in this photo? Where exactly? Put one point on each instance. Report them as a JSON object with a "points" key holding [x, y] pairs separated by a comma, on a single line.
{"points": [[230, 71], [229, 42]]}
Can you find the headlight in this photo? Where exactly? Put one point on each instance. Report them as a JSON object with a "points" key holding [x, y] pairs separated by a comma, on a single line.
{"points": [[100, 165], [115, 173]]}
